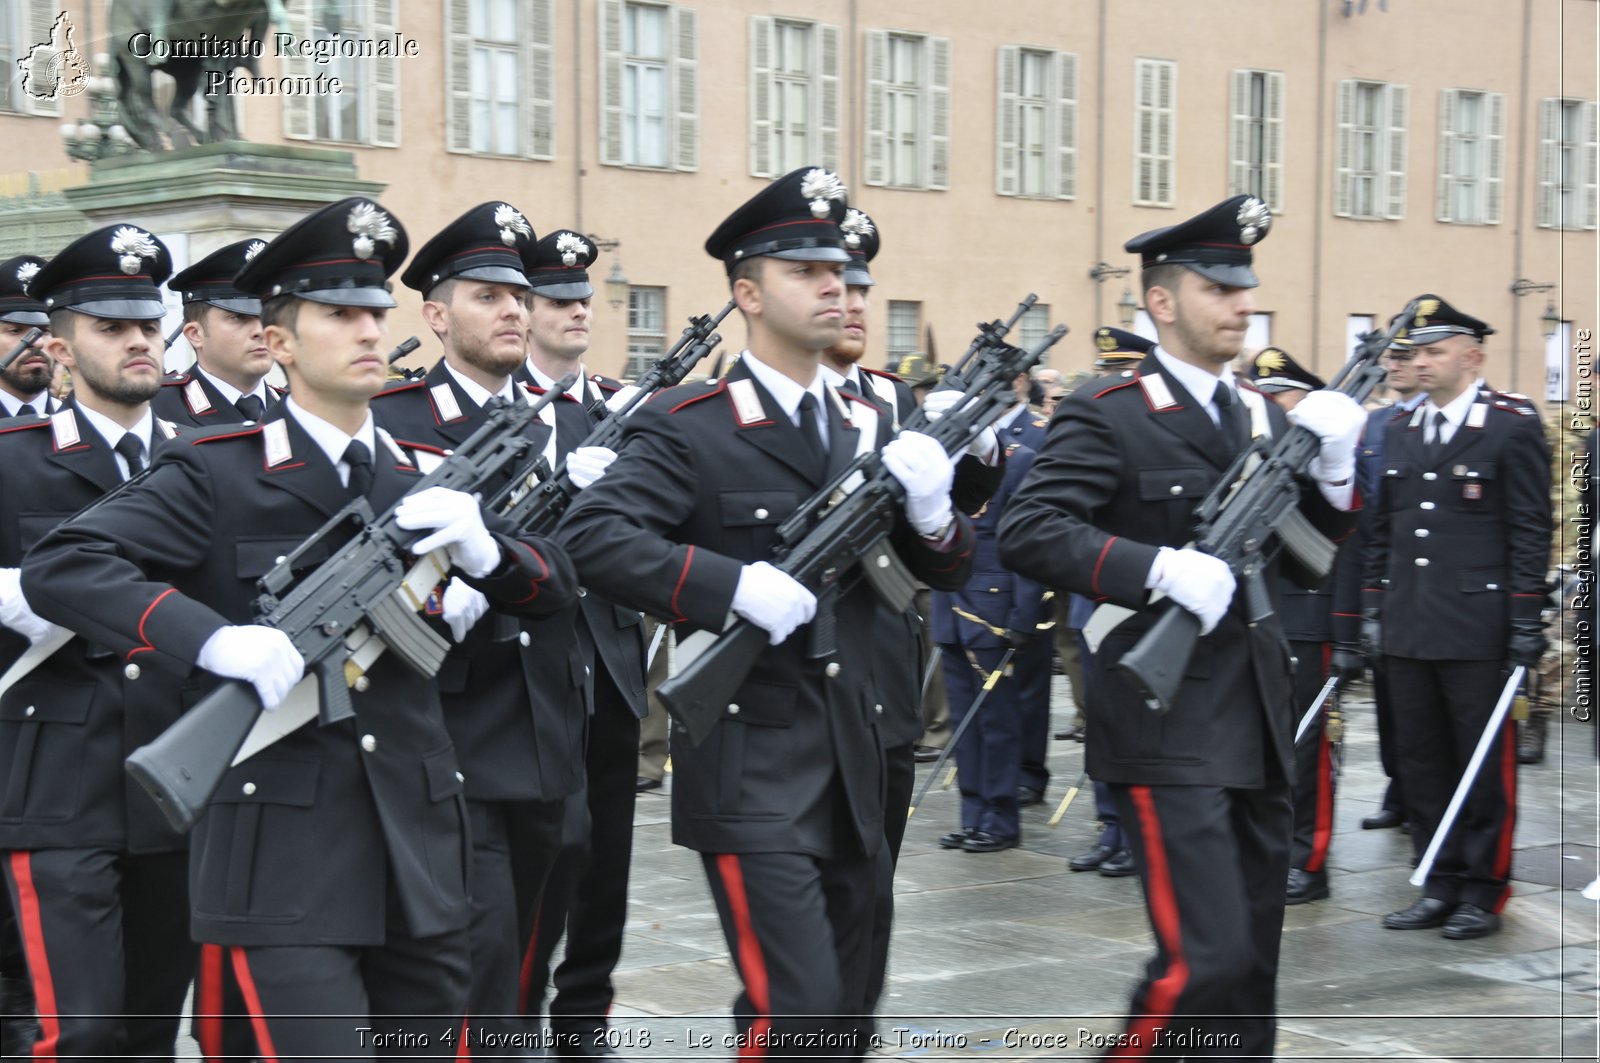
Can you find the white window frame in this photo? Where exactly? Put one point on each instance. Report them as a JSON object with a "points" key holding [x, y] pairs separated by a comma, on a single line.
{"points": [[1155, 132], [1256, 131], [1356, 326], [1567, 165], [926, 100], [899, 338], [1034, 326], [1056, 111], [1259, 332], [532, 87], [25, 24], [1472, 158], [645, 344], [681, 104], [374, 81], [1391, 104], [821, 85], [1558, 364]]}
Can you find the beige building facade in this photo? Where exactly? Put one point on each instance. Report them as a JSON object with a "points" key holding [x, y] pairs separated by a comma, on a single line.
{"points": [[1011, 147]]}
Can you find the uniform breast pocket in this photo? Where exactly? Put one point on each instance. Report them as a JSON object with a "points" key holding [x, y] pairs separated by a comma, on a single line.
{"points": [[31, 527], [255, 557], [256, 835], [1474, 478], [756, 509], [42, 744], [1184, 483], [445, 832]]}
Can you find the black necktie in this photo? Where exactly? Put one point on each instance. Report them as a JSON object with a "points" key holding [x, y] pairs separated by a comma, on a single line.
{"points": [[359, 458], [808, 431], [132, 450], [1230, 417], [27, 410], [1438, 428], [495, 402], [249, 406]]}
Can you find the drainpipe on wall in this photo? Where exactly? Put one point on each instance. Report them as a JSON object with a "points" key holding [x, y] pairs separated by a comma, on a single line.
{"points": [[1520, 178], [1320, 207], [857, 101], [1100, 162], [577, 115]]}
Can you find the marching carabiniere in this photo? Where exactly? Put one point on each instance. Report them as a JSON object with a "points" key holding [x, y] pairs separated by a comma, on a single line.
{"points": [[784, 798], [227, 383], [1203, 789], [1455, 581], [95, 875], [332, 863]]}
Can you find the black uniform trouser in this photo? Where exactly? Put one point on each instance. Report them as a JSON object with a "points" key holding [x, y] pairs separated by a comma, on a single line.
{"points": [[800, 930], [587, 897], [1212, 862], [900, 766], [1447, 704], [514, 846], [406, 997], [1031, 672], [107, 941], [1394, 795], [1314, 785]]}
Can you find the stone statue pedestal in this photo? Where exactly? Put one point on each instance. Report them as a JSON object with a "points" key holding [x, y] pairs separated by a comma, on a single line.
{"points": [[201, 198]]}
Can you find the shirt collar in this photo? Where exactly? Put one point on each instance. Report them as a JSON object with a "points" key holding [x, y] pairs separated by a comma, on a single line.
{"points": [[1455, 411], [231, 393], [112, 432], [579, 390], [1009, 418], [1410, 404], [330, 440], [477, 392], [12, 404], [833, 378], [783, 390], [1201, 383]]}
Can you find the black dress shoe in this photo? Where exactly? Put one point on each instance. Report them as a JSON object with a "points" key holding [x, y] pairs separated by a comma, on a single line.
{"points": [[1305, 886], [1027, 795], [1426, 914], [926, 754], [981, 841], [1119, 864], [956, 838], [1470, 921], [1090, 860], [1071, 734], [644, 782], [1383, 819]]}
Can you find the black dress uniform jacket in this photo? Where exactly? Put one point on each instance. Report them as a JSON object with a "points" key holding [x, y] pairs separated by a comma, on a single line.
{"points": [[1461, 532], [192, 399], [302, 839], [514, 706], [698, 491], [66, 727], [1124, 464]]}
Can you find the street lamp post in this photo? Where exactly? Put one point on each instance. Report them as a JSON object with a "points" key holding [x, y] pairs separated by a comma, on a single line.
{"points": [[1127, 308]]}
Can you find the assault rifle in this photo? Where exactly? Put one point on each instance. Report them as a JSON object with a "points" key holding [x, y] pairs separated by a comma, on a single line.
{"points": [[1244, 518], [831, 531], [28, 339], [364, 598], [536, 508]]}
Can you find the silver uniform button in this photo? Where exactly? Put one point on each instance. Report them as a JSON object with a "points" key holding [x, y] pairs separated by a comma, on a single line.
{"points": [[832, 669], [1421, 533], [1421, 562], [525, 639], [248, 788], [1176, 489], [582, 592], [1430, 476], [29, 711], [1491, 586], [369, 743], [878, 709], [361, 684], [280, 559], [733, 710], [460, 777], [132, 671], [1426, 505], [761, 514]]}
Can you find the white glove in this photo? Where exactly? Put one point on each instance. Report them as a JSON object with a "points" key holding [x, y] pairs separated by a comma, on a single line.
{"points": [[1199, 582], [463, 606], [457, 524], [261, 656], [15, 612], [984, 445], [587, 464], [925, 471], [773, 600], [1337, 419], [621, 398]]}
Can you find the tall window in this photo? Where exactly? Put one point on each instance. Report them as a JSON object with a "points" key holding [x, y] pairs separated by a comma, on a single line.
{"points": [[908, 110], [905, 326], [366, 109], [500, 75], [1471, 156], [1259, 331], [23, 24], [649, 85], [1154, 131], [1567, 164], [1356, 326], [1256, 137], [1036, 127], [794, 95], [647, 328], [1034, 326], [1370, 154]]}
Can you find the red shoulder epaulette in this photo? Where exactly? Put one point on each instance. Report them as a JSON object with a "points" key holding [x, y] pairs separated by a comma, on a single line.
{"points": [[229, 433], [1132, 379], [176, 381], [411, 385], [429, 447], [721, 386], [42, 422], [882, 373], [853, 396]]}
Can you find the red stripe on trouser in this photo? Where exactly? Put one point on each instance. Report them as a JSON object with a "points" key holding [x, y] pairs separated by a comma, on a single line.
{"points": [[1322, 833], [208, 1002], [1508, 783], [752, 965], [252, 1004], [31, 925], [526, 974], [1164, 991]]}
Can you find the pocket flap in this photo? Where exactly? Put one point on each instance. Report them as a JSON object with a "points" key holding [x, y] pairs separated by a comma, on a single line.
{"points": [[762, 705], [47, 702], [1157, 484], [1483, 579], [444, 775], [1472, 470], [753, 509], [1397, 470], [270, 782], [256, 557], [31, 527]]}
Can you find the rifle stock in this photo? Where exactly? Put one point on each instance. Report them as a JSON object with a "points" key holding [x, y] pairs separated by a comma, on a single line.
{"points": [[705, 687], [184, 765]]}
